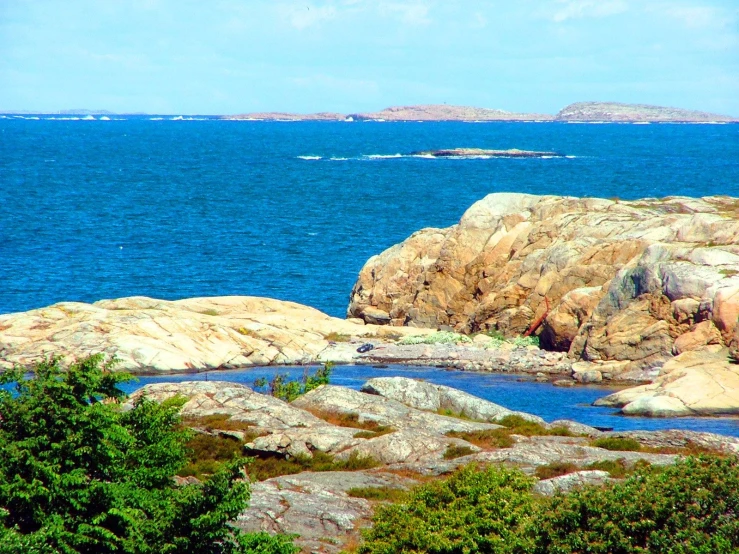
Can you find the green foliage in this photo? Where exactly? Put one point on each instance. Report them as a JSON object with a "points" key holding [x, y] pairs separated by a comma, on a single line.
{"points": [[208, 453], [555, 469], [440, 337], [79, 475], [499, 339], [618, 468], [261, 468], [617, 443], [488, 438], [457, 451], [521, 426], [381, 494], [691, 507], [284, 388], [474, 511]]}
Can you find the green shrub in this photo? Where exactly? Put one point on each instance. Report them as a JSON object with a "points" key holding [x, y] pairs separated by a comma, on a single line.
{"points": [[488, 438], [79, 475], [618, 468], [617, 443], [521, 426], [472, 512], [385, 494], [457, 451], [440, 337], [284, 388], [555, 469], [265, 466], [691, 507]]}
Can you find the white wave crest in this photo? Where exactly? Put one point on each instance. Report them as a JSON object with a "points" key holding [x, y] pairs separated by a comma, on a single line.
{"points": [[383, 156], [310, 157]]}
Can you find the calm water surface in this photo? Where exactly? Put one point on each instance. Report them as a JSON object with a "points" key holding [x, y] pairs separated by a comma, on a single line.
{"points": [[542, 399]]}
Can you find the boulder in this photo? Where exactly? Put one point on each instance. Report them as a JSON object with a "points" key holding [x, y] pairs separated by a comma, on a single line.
{"points": [[565, 483], [146, 334], [206, 398], [384, 411], [700, 335], [623, 280], [697, 382]]}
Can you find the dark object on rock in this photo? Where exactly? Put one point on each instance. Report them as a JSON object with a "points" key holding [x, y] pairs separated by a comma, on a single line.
{"points": [[366, 347], [604, 429]]}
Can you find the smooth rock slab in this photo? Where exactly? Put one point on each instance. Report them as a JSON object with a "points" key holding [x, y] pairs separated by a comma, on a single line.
{"points": [[697, 382], [428, 396], [206, 398], [384, 411], [565, 483], [314, 506], [146, 334]]}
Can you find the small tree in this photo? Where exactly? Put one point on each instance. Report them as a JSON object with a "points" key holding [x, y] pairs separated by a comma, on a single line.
{"points": [[80, 475]]}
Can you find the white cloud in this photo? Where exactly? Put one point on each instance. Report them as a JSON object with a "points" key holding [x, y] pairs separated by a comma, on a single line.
{"points": [[578, 9]]}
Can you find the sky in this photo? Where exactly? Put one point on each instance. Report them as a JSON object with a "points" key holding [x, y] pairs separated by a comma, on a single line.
{"points": [[239, 56]]}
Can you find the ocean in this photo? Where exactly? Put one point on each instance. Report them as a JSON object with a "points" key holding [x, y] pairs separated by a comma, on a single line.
{"points": [[176, 208], [148, 205]]}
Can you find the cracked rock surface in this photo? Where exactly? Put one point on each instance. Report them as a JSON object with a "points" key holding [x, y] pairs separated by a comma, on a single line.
{"points": [[146, 334], [318, 506], [624, 280]]}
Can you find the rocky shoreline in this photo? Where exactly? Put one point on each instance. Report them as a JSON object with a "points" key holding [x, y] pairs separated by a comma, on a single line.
{"points": [[411, 431], [643, 292]]}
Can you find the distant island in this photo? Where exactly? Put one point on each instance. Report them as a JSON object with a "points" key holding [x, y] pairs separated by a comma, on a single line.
{"points": [[579, 111], [615, 112]]}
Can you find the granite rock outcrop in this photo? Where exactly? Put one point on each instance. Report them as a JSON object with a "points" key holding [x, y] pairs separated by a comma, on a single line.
{"points": [[323, 507], [612, 282], [195, 334]]}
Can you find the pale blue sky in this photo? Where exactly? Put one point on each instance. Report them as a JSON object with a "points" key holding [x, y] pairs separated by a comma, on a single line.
{"points": [[231, 56]]}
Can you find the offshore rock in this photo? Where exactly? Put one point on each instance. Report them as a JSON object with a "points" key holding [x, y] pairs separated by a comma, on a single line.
{"points": [[485, 153], [623, 280], [146, 334]]}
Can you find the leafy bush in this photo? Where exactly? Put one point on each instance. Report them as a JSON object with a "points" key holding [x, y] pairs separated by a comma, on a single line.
{"points": [[473, 511], [457, 451], [79, 475], [266, 467], [284, 388], [617, 443], [440, 337], [387, 494], [555, 469], [618, 468], [691, 507], [499, 339], [488, 438], [521, 426]]}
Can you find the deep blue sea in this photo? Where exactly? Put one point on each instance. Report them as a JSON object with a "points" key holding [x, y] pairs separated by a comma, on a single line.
{"points": [[201, 207], [174, 209]]}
